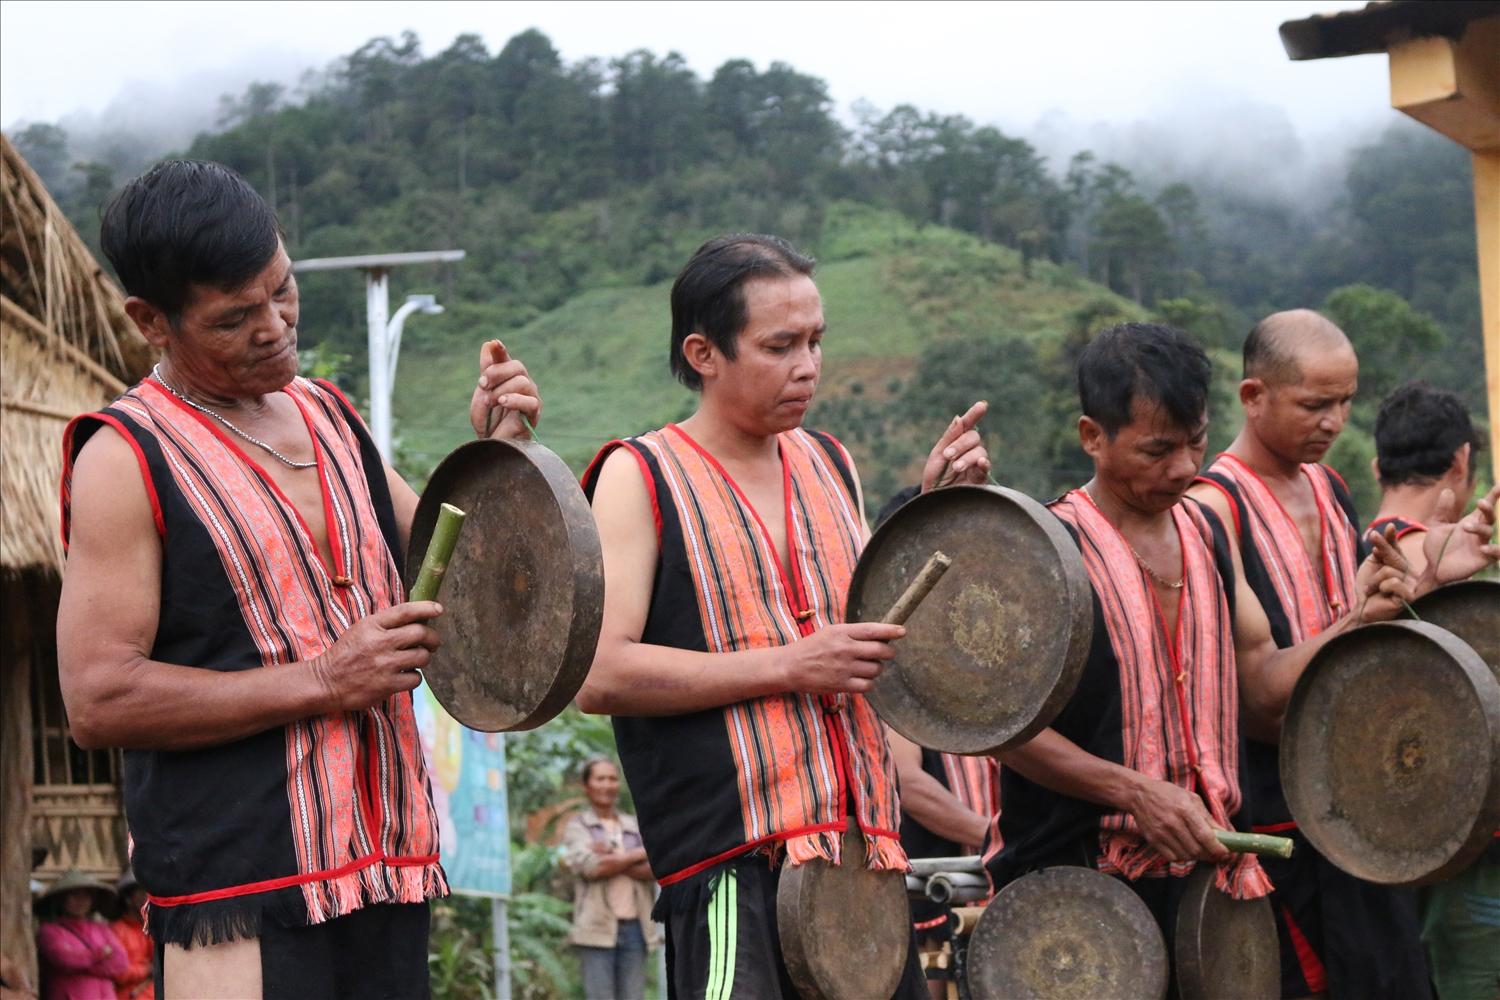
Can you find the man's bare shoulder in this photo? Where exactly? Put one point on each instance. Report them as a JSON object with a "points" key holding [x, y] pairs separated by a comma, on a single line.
{"points": [[620, 477], [622, 496], [1214, 499], [107, 489]]}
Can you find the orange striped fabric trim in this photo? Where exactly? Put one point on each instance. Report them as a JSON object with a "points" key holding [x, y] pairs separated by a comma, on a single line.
{"points": [[795, 755], [1179, 706], [974, 781], [1313, 595], [356, 782]]}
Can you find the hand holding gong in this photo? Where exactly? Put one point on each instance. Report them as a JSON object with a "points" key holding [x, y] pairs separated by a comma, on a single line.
{"points": [[959, 455], [506, 403]]}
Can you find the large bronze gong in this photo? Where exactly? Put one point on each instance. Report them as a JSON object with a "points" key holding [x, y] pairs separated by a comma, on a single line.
{"points": [[524, 591], [995, 650], [1390, 753], [1226, 948], [1066, 934], [1471, 611], [844, 929]]}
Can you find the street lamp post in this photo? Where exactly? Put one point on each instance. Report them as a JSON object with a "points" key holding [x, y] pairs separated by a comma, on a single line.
{"points": [[384, 329]]}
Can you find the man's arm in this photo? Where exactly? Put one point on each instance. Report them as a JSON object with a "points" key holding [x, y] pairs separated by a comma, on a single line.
{"points": [[629, 677], [1455, 548], [1173, 820], [1267, 674], [1214, 499], [106, 627], [925, 799], [619, 862]]}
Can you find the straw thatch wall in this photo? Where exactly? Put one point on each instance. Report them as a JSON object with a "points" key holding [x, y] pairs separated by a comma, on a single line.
{"points": [[66, 346]]}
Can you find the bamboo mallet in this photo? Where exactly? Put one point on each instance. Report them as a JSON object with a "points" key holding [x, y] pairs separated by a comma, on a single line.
{"points": [[918, 589], [1254, 843], [439, 550]]}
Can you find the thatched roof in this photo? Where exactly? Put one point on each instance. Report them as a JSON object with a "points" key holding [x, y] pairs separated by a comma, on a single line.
{"points": [[66, 346]]}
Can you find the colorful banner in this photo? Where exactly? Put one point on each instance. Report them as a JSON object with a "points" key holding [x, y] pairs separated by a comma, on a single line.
{"points": [[467, 769]]}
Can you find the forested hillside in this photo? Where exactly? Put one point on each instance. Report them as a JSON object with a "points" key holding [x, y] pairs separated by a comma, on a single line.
{"points": [[957, 261]]}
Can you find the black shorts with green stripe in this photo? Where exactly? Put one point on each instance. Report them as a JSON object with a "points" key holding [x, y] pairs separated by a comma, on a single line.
{"points": [[722, 940]]}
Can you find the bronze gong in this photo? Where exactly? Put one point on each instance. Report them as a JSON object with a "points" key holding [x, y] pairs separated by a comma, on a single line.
{"points": [[524, 592], [1470, 610], [844, 928], [995, 650], [1390, 753], [1226, 948], [1066, 934]]}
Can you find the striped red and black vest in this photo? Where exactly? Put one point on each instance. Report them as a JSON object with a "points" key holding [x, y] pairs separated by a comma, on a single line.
{"points": [[301, 823], [1402, 525], [1179, 696], [1301, 595], [774, 772]]}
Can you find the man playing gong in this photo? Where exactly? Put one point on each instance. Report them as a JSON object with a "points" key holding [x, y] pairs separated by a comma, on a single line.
{"points": [[233, 615], [1426, 460], [1143, 763], [1426, 446], [736, 686], [1298, 541]]}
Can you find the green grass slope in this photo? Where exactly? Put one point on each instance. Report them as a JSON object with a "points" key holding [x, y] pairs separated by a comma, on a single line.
{"points": [[919, 319]]}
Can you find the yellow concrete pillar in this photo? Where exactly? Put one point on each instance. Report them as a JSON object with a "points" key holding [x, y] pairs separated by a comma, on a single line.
{"points": [[1487, 229], [1453, 86]]}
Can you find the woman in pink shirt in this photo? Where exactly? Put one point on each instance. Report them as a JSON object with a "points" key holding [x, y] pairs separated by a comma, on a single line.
{"points": [[79, 954]]}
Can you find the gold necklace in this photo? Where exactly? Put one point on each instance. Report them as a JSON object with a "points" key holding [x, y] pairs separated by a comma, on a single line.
{"points": [[156, 371], [1169, 584]]}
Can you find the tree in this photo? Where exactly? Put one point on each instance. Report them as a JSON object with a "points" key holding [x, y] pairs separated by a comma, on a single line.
{"points": [[524, 61], [1178, 205], [1136, 244], [460, 90], [45, 147], [1392, 339], [656, 115]]}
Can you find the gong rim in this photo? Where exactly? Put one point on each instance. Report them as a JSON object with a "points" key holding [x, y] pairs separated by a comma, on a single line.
{"points": [[1209, 920], [954, 632], [1355, 768], [1470, 609], [1111, 947], [865, 904], [507, 691]]}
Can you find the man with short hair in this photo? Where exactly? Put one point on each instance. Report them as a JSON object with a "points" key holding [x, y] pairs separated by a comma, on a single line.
{"points": [[1144, 762], [1298, 541], [1426, 460], [737, 687], [233, 615], [1425, 445]]}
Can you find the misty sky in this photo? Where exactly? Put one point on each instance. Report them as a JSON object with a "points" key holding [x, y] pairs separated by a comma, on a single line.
{"points": [[1018, 65]]}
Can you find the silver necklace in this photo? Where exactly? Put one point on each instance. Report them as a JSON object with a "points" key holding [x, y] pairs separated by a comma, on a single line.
{"points": [[156, 373], [1169, 584]]}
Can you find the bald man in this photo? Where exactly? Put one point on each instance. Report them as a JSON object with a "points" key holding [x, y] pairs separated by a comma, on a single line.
{"points": [[1299, 540]]}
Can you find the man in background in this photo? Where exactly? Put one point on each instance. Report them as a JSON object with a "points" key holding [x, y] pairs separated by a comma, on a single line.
{"points": [[1426, 460]]}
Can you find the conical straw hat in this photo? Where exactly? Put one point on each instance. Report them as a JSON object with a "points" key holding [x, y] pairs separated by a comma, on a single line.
{"points": [[75, 879]]}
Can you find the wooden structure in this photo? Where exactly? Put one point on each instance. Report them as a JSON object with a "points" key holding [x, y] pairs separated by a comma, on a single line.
{"points": [[1445, 72], [66, 346]]}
